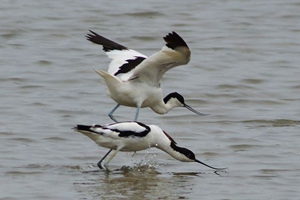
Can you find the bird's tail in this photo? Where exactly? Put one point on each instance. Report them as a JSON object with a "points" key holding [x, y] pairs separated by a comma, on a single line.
{"points": [[87, 131], [83, 128], [102, 73], [110, 80]]}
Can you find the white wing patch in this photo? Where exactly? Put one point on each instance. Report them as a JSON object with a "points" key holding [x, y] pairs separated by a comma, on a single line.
{"points": [[120, 58], [126, 126]]}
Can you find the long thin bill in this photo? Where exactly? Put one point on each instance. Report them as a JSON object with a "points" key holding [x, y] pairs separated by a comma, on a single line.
{"points": [[194, 111], [209, 165]]}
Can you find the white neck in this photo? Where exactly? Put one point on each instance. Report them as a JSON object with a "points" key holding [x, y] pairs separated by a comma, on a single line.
{"points": [[174, 154], [162, 142], [163, 108]]}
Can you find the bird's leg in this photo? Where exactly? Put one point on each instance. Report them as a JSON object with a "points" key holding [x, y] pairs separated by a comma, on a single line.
{"points": [[110, 114], [99, 163], [110, 158], [137, 113]]}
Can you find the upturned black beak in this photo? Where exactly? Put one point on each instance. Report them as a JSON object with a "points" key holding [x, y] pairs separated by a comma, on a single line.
{"points": [[193, 110], [215, 168]]}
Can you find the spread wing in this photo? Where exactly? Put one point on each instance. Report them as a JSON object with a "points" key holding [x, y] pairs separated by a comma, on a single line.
{"points": [[174, 53], [123, 60], [129, 64]]}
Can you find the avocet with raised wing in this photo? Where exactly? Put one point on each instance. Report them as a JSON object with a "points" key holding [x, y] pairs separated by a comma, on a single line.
{"points": [[135, 136], [133, 79]]}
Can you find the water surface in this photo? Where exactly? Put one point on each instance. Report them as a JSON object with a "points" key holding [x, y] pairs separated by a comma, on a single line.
{"points": [[244, 72]]}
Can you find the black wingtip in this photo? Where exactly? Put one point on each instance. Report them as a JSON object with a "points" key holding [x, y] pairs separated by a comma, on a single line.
{"points": [[82, 128], [87, 127], [173, 40], [91, 36], [107, 44]]}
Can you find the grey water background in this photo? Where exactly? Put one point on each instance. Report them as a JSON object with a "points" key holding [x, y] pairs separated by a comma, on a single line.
{"points": [[244, 71]]}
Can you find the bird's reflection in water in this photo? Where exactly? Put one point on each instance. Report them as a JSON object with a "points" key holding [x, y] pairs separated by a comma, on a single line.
{"points": [[138, 182]]}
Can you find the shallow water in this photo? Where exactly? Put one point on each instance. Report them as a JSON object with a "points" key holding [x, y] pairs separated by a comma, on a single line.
{"points": [[244, 72]]}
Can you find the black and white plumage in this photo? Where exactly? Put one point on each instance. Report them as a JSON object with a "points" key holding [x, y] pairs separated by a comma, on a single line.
{"points": [[135, 136], [134, 79]]}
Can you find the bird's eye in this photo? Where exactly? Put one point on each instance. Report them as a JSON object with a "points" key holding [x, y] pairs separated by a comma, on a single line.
{"points": [[191, 156]]}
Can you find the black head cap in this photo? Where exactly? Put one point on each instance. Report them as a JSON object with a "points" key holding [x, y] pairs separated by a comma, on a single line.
{"points": [[188, 153], [174, 95]]}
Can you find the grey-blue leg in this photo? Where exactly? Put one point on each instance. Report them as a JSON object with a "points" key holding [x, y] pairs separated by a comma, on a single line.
{"points": [[137, 113], [99, 163], [110, 114]]}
